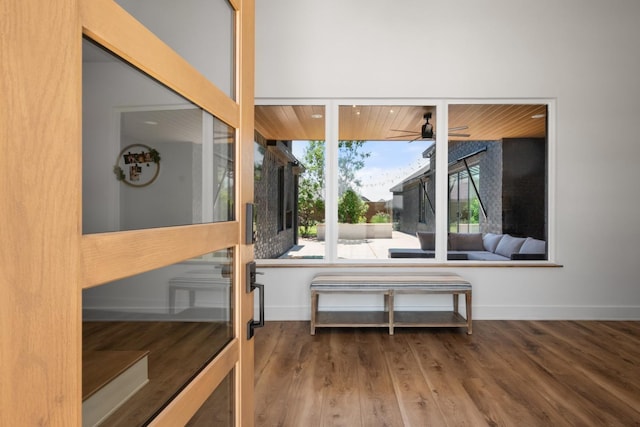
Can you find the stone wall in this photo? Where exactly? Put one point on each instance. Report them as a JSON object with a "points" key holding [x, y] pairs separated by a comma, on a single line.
{"points": [[490, 162], [271, 242], [490, 188]]}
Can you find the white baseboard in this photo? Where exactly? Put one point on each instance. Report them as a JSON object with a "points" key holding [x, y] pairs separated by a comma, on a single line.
{"points": [[557, 313], [303, 313]]}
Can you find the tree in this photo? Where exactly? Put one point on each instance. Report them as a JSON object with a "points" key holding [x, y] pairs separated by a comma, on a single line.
{"points": [[311, 189], [351, 208], [351, 159]]}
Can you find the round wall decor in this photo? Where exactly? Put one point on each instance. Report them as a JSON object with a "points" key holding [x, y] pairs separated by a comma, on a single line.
{"points": [[137, 165]]}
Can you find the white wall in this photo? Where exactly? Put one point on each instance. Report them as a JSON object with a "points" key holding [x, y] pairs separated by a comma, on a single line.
{"points": [[194, 29], [170, 198], [108, 88], [584, 54]]}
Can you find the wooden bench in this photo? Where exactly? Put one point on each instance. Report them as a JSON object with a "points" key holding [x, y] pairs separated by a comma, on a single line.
{"points": [[197, 281], [389, 285]]}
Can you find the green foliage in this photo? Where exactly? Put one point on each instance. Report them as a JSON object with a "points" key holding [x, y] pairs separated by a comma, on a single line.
{"points": [[474, 211], [311, 188], [310, 212], [308, 231], [351, 208], [381, 218]]}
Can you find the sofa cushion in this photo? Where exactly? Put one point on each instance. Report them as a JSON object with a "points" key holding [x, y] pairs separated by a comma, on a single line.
{"points": [[509, 245], [465, 242], [486, 256], [490, 241], [533, 246], [410, 253], [427, 240]]}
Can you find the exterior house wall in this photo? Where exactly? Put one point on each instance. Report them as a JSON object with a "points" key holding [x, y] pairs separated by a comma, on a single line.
{"points": [[512, 187], [271, 242], [490, 163], [490, 187], [524, 188], [410, 207]]}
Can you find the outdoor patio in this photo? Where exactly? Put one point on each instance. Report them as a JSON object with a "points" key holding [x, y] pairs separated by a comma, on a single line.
{"points": [[353, 249]]}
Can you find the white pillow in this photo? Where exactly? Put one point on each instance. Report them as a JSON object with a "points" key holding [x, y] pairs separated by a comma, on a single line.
{"points": [[490, 241], [509, 245], [533, 246]]}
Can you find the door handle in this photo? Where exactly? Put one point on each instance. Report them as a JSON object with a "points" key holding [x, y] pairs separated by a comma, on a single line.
{"points": [[251, 285], [252, 324]]}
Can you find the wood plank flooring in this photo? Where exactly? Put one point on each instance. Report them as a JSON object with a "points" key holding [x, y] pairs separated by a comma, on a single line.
{"points": [[508, 373], [177, 351]]}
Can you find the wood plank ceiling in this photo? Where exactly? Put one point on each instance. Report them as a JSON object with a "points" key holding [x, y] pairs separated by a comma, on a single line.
{"points": [[373, 123]]}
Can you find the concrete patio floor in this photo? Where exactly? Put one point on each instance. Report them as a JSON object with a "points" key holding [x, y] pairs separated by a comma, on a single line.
{"points": [[353, 249]]}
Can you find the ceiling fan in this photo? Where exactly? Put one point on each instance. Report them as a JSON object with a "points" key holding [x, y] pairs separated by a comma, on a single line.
{"points": [[427, 131]]}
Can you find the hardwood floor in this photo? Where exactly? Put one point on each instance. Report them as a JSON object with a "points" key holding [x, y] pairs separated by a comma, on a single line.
{"points": [[177, 351], [508, 373]]}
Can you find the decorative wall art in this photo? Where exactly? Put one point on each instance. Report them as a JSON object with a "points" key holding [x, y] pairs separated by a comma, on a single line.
{"points": [[137, 165]]}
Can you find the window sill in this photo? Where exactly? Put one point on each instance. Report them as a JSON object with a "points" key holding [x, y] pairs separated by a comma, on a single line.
{"points": [[320, 263]]}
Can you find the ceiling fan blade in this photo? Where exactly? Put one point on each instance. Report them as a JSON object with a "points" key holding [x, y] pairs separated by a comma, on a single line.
{"points": [[403, 130], [402, 137], [461, 135], [416, 138], [458, 128]]}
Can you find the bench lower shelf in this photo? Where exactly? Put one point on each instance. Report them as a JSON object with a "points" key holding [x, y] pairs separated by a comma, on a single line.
{"points": [[380, 319], [352, 318]]}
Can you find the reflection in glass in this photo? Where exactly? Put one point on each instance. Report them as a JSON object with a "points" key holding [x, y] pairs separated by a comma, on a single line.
{"points": [[146, 336], [202, 32], [150, 157], [464, 203], [218, 409]]}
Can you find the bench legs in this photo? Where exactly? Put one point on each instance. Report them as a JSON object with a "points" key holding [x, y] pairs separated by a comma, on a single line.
{"points": [[390, 311], [468, 305], [314, 310], [389, 308]]}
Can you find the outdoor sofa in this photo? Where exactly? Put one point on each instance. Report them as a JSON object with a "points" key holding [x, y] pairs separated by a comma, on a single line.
{"points": [[477, 247]]}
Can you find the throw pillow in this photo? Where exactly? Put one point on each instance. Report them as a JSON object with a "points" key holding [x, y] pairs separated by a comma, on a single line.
{"points": [[466, 242], [427, 240], [533, 246], [509, 245], [490, 241]]}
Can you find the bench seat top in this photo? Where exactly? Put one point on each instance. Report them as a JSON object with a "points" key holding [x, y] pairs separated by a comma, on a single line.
{"points": [[396, 281]]}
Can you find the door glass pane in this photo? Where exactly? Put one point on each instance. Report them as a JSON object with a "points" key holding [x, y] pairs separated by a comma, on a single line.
{"points": [[144, 337], [150, 157], [497, 157], [202, 32], [218, 410]]}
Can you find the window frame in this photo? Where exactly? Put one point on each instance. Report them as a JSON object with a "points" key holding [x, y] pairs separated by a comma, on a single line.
{"points": [[441, 180]]}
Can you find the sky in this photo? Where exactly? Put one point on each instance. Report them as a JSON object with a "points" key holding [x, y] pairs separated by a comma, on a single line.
{"points": [[389, 164]]}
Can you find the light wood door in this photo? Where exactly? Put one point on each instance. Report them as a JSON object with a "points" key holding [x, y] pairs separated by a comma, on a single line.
{"points": [[46, 260]]}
